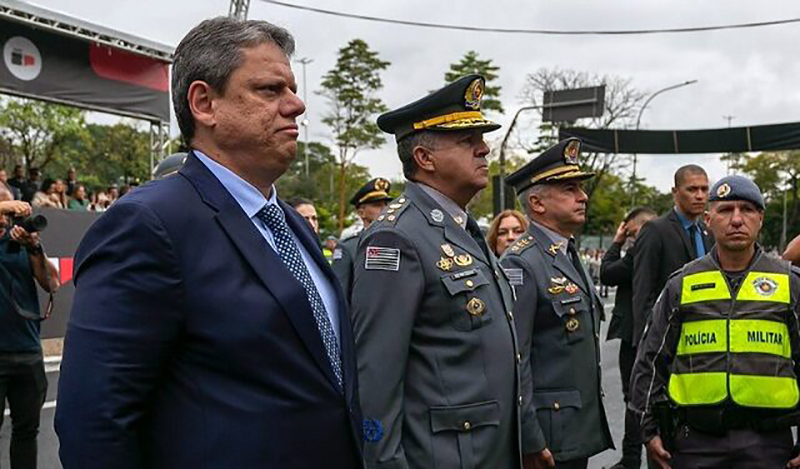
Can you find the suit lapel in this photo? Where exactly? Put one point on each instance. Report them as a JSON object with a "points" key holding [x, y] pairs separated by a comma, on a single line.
{"points": [[560, 260], [264, 261], [677, 226]]}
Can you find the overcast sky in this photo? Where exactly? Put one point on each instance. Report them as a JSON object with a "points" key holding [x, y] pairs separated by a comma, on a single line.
{"points": [[750, 73]]}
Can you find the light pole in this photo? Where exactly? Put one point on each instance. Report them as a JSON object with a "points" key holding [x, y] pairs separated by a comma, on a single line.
{"points": [[639, 121], [305, 61]]}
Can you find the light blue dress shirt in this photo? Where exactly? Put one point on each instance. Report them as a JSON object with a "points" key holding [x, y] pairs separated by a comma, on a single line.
{"points": [[252, 201], [698, 234]]}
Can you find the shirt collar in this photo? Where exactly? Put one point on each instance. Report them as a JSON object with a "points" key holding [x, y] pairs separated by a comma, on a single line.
{"points": [[246, 195], [452, 208], [684, 220], [555, 237]]}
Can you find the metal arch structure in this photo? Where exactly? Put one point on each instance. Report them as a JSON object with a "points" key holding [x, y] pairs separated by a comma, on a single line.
{"points": [[239, 9], [42, 19]]}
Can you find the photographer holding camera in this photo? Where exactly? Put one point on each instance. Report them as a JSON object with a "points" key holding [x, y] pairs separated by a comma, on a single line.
{"points": [[22, 377]]}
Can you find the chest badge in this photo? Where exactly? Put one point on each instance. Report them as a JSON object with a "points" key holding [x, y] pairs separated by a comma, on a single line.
{"points": [[437, 215], [572, 289], [445, 263], [463, 260], [573, 325], [553, 249], [765, 286], [448, 250], [475, 307], [555, 289]]}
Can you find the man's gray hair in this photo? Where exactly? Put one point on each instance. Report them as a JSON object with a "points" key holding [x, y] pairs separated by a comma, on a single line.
{"points": [[210, 52], [537, 189], [405, 149]]}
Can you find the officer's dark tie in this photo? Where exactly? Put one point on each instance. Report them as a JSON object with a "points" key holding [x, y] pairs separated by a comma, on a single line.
{"points": [[572, 251], [475, 231], [699, 250]]}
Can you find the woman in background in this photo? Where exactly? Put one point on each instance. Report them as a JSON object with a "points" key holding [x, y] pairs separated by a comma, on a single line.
{"points": [[505, 229]]}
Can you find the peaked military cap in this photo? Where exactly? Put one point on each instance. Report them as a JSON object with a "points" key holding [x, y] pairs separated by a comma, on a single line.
{"points": [[736, 188], [375, 190], [457, 106], [557, 163]]}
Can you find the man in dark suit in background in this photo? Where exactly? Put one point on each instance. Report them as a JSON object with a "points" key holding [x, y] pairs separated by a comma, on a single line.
{"points": [[616, 270], [207, 330], [667, 243]]}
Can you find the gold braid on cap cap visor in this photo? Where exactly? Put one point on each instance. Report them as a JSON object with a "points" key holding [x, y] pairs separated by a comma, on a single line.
{"points": [[555, 172], [453, 120], [372, 194]]}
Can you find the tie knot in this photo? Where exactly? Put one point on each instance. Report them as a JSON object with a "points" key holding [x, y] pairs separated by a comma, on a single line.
{"points": [[272, 216]]}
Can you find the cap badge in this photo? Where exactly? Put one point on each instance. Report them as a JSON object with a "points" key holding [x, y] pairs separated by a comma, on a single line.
{"points": [[572, 151], [437, 215], [723, 190], [474, 94], [765, 286], [382, 185]]}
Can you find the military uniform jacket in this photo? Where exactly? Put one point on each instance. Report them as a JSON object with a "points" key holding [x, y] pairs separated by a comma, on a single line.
{"points": [[343, 257], [436, 344], [558, 320]]}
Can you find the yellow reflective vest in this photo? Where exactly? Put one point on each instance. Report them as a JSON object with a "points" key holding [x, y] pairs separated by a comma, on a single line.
{"points": [[735, 345]]}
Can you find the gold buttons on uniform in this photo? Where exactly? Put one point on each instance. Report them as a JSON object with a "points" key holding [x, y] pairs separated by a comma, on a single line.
{"points": [[557, 406], [467, 426], [470, 283], [510, 316], [572, 311]]}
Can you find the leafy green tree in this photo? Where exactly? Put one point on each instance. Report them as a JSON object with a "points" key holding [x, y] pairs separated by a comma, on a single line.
{"points": [[350, 88], [38, 132], [321, 185], [470, 64]]}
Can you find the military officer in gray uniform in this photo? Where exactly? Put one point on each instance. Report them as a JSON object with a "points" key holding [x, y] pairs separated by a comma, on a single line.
{"points": [[369, 201], [438, 363], [558, 313]]}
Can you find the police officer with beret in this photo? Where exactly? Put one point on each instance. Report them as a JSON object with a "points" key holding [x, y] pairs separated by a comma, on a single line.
{"points": [[558, 314], [437, 354], [715, 380], [369, 201]]}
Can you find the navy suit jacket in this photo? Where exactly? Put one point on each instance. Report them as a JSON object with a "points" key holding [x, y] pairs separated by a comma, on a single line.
{"points": [[190, 345]]}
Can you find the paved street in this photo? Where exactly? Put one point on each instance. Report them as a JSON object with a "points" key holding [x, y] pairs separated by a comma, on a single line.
{"points": [[48, 443]]}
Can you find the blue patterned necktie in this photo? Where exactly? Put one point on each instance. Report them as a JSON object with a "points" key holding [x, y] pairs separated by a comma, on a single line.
{"points": [[274, 219]]}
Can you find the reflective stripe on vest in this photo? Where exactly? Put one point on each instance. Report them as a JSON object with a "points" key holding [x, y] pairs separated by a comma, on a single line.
{"points": [[734, 349]]}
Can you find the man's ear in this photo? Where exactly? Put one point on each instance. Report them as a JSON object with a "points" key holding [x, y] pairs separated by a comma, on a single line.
{"points": [[536, 203], [423, 157], [201, 102]]}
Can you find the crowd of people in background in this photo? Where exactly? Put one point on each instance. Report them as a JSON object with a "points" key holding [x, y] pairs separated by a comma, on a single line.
{"points": [[67, 193]]}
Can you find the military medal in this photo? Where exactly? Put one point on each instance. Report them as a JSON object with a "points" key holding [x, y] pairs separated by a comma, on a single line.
{"points": [[559, 280], [555, 289], [463, 260], [448, 250], [445, 264], [573, 325], [572, 289], [475, 307]]}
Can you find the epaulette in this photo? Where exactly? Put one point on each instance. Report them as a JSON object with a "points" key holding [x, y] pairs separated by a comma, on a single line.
{"points": [[392, 212], [522, 243]]}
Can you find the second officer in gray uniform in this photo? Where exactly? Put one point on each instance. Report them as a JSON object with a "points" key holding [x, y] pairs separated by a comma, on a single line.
{"points": [[558, 313], [369, 201], [437, 356]]}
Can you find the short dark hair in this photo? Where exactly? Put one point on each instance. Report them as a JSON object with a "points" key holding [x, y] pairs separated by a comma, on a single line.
{"points": [[639, 211], [210, 52], [298, 201], [405, 150], [683, 171]]}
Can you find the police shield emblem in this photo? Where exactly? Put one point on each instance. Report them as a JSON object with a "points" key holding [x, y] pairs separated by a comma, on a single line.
{"points": [[765, 286]]}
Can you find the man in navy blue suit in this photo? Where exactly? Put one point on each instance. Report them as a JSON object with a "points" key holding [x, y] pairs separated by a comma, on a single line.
{"points": [[207, 329]]}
